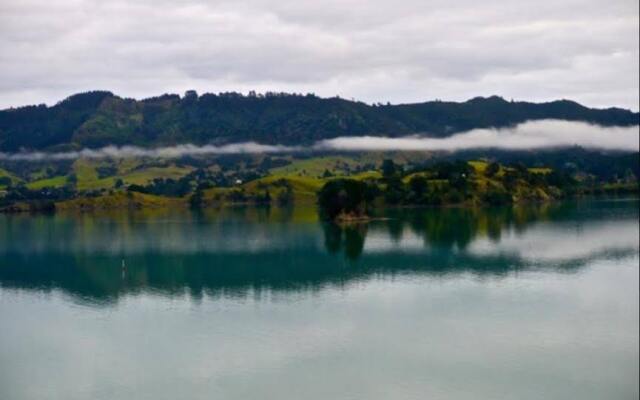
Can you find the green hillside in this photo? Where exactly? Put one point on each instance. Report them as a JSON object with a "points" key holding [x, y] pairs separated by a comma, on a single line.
{"points": [[403, 180], [99, 118]]}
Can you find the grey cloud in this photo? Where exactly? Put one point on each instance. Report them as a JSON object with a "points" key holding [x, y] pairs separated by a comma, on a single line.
{"points": [[401, 51]]}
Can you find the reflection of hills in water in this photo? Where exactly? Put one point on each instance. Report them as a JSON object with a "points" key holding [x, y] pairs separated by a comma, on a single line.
{"points": [[234, 252]]}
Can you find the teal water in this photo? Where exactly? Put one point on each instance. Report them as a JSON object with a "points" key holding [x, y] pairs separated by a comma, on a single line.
{"points": [[526, 303]]}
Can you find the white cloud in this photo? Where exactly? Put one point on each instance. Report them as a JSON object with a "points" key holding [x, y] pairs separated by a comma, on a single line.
{"points": [[160, 152], [529, 135], [402, 51], [541, 134]]}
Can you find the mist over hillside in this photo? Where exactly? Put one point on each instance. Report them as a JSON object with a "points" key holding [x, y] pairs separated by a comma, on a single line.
{"points": [[100, 118]]}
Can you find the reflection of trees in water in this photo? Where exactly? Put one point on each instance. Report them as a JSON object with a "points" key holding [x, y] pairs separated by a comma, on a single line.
{"points": [[93, 273], [455, 227], [395, 229], [446, 228], [348, 238], [101, 280], [332, 237], [458, 227]]}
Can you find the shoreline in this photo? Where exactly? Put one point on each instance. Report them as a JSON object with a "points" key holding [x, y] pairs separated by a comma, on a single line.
{"points": [[182, 204]]}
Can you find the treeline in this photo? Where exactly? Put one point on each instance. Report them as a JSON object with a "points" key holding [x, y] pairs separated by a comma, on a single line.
{"points": [[434, 183], [100, 118], [37, 199], [455, 183]]}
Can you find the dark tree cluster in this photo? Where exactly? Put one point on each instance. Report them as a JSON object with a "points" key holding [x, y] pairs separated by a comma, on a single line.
{"points": [[38, 200], [164, 187], [344, 197]]}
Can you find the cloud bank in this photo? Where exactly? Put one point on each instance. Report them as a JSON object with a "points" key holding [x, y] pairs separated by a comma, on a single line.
{"points": [[374, 50], [160, 152], [532, 135], [529, 135]]}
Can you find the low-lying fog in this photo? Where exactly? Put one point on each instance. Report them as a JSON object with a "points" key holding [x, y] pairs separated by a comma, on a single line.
{"points": [[541, 134]]}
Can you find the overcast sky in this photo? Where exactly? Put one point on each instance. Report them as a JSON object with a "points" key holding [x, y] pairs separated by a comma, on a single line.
{"points": [[376, 51]]}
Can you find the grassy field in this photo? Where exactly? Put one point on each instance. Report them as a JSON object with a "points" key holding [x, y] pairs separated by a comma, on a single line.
{"points": [[144, 176], [543, 171], [315, 167], [303, 177], [479, 166], [366, 175], [7, 174], [303, 188], [128, 170], [343, 165], [408, 177], [55, 182], [120, 200]]}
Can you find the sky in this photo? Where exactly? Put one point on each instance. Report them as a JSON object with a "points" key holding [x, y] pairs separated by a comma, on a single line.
{"points": [[399, 51]]}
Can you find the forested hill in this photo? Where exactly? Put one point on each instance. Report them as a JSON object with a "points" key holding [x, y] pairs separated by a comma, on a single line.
{"points": [[100, 118]]}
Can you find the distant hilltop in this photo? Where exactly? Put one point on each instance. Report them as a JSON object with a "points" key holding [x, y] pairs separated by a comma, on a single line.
{"points": [[99, 118]]}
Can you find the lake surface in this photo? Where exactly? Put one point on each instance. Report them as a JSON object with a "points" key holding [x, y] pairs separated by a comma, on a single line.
{"points": [[526, 303]]}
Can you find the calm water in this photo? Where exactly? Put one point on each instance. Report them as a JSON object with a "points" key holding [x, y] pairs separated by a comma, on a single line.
{"points": [[528, 303]]}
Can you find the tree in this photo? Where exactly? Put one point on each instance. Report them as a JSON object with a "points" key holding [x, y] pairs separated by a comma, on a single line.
{"points": [[72, 181], [389, 168], [342, 196], [496, 196], [492, 169], [196, 199], [396, 190], [264, 198], [190, 95], [418, 185], [285, 197], [137, 188]]}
